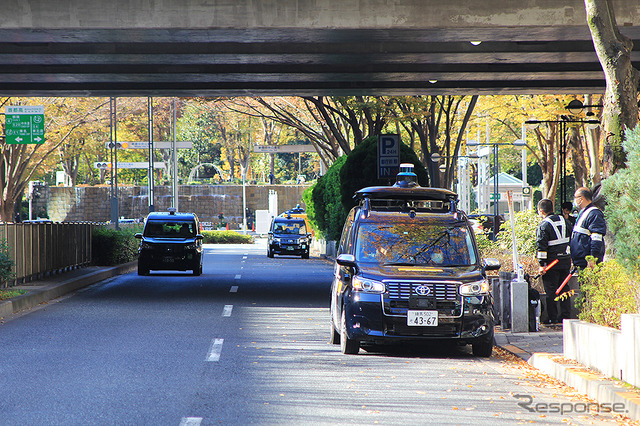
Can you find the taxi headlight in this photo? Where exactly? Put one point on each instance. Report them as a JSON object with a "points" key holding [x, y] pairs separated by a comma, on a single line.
{"points": [[475, 288], [367, 286], [145, 245]]}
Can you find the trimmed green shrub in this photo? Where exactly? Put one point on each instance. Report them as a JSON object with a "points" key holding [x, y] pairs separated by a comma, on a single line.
{"points": [[114, 247], [526, 223], [608, 290], [622, 192], [361, 170], [310, 210], [6, 263], [328, 211], [332, 196], [226, 237]]}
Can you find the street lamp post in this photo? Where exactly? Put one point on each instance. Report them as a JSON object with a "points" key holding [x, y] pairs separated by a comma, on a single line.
{"points": [[495, 145]]}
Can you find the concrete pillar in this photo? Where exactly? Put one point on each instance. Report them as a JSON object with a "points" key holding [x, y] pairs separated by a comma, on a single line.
{"points": [[519, 306], [630, 326]]}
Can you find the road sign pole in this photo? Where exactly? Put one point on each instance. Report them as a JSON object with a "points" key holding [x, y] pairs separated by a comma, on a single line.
{"points": [[174, 153], [114, 170], [151, 178]]}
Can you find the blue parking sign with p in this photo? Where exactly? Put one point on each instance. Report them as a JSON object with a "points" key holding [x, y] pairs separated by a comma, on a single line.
{"points": [[388, 156]]}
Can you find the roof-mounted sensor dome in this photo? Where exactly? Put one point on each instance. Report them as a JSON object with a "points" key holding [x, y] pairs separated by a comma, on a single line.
{"points": [[406, 178]]}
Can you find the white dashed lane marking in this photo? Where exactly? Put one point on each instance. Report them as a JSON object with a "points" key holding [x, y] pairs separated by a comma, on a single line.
{"points": [[226, 312], [191, 421], [215, 350], [237, 277], [234, 289]]}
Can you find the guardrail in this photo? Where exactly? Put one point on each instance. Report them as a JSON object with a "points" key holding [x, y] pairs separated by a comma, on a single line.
{"points": [[40, 249]]}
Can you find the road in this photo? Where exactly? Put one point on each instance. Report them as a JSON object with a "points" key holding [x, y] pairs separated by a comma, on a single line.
{"points": [[245, 343]]}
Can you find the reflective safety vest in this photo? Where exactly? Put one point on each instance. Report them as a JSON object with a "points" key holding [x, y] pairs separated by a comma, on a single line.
{"points": [[558, 245], [581, 230], [560, 227]]}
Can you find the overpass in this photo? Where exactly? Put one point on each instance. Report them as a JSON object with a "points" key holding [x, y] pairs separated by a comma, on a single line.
{"points": [[300, 47]]}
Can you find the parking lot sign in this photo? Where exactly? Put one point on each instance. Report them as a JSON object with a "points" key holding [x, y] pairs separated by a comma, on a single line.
{"points": [[24, 124], [388, 156]]}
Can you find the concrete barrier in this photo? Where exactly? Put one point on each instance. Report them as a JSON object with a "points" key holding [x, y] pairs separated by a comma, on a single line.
{"points": [[615, 353]]}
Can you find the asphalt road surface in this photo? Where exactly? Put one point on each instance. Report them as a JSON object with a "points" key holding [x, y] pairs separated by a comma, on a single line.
{"points": [[245, 343]]}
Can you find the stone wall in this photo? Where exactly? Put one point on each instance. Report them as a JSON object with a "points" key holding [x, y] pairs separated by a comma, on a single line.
{"points": [[92, 204]]}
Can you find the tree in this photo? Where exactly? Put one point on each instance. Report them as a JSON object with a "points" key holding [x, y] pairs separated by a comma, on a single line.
{"points": [[620, 101], [622, 191], [426, 116], [21, 163], [81, 116]]}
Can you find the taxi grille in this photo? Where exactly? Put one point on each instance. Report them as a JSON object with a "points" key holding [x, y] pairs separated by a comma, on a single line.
{"points": [[441, 290]]}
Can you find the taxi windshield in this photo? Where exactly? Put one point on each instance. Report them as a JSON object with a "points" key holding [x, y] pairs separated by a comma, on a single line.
{"points": [[415, 242], [290, 227], [169, 229]]}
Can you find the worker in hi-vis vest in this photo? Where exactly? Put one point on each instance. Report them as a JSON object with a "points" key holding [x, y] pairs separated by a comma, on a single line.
{"points": [[588, 234], [552, 241]]}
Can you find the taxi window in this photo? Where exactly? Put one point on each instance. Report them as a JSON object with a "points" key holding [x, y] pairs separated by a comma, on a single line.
{"points": [[290, 227], [428, 243], [164, 229]]}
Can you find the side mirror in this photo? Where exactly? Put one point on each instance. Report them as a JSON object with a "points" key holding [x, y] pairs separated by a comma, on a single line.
{"points": [[491, 264], [138, 235], [199, 237], [346, 260]]}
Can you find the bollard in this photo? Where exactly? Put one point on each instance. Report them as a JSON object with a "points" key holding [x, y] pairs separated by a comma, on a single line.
{"points": [[519, 306]]}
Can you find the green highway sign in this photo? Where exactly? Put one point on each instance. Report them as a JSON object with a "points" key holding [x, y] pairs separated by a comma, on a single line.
{"points": [[24, 124], [493, 196]]}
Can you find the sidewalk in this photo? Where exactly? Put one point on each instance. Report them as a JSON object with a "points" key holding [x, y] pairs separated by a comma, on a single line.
{"points": [[524, 345], [58, 285], [543, 350]]}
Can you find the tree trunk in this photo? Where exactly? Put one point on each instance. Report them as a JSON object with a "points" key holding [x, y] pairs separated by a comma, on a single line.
{"points": [[577, 157], [621, 96]]}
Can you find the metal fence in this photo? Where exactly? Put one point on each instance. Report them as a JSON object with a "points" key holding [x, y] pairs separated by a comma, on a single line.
{"points": [[40, 249]]}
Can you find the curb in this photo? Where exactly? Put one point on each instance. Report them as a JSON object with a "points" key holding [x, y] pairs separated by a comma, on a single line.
{"points": [[595, 386], [53, 291], [502, 342]]}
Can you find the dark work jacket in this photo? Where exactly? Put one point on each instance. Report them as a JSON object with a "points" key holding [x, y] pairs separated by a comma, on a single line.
{"points": [[588, 234], [552, 241]]}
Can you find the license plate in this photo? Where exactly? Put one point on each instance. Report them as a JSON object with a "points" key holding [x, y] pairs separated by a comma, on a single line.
{"points": [[168, 259], [422, 318], [290, 248]]}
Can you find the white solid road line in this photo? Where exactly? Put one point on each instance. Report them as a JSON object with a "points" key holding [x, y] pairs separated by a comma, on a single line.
{"points": [[226, 312], [216, 349], [234, 289], [191, 421]]}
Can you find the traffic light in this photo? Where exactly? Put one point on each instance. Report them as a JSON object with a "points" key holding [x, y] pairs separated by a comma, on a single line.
{"points": [[119, 145], [102, 165]]}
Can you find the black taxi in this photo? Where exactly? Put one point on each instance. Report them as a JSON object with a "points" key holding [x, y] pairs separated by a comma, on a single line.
{"points": [[408, 269], [289, 236], [170, 241]]}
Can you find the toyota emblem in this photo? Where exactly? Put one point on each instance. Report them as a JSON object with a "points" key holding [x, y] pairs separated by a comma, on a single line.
{"points": [[422, 290]]}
